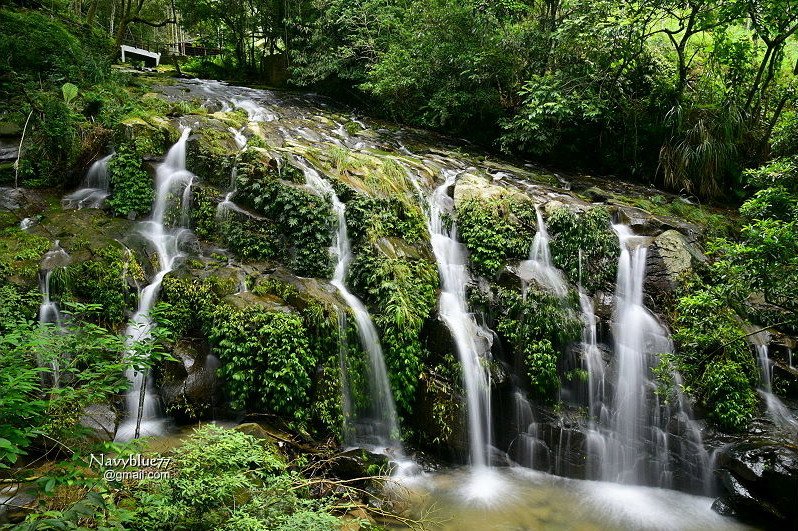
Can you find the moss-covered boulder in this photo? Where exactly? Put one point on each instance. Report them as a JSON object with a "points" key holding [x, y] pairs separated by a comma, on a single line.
{"points": [[211, 152], [672, 258], [496, 224], [152, 135]]}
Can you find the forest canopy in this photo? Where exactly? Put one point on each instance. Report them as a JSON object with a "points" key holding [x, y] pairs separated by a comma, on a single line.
{"points": [[686, 94]]}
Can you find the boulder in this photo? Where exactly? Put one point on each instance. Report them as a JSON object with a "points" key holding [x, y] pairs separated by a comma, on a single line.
{"points": [[101, 420], [190, 387], [671, 257], [211, 152], [152, 135], [760, 483]]}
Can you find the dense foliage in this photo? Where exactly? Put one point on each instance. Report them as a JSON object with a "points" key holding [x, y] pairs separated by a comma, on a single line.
{"points": [[50, 374], [696, 95], [584, 246], [752, 277], [495, 231], [635, 88], [301, 222]]}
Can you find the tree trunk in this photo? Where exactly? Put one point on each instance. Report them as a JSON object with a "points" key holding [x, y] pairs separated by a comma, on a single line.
{"points": [[92, 12], [142, 395]]}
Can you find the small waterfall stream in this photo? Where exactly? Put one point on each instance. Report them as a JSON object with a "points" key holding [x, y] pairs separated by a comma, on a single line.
{"points": [[95, 189], [593, 362], [539, 267], [382, 429], [49, 313], [53, 259], [170, 176], [472, 341], [776, 410]]}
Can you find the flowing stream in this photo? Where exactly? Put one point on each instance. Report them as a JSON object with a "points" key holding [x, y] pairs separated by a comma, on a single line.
{"points": [[95, 187], [381, 430], [49, 313], [172, 181], [472, 341]]}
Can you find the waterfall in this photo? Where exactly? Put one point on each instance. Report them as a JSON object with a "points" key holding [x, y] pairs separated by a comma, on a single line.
{"points": [[634, 435], [170, 176], [472, 341], [776, 409], [48, 310], [383, 426], [592, 360], [227, 205], [638, 336], [539, 267], [95, 187]]}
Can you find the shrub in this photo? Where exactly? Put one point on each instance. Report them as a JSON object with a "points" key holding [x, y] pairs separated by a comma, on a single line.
{"points": [[214, 470], [587, 237], [40, 46], [495, 232], [266, 359], [728, 394], [401, 293], [103, 280], [540, 361], [131, 186]]}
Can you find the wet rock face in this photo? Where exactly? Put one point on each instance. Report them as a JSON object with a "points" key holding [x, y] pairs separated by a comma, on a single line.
{"points": [[190, 387], [102, 420], [671, 257], [760, 483]]}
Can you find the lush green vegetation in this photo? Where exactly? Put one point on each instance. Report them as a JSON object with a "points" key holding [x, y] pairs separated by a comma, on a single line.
{"points": [[758, 264], [697, 96], [686, 94], [216, 479], [584, 246], [51, 374], [495, 231]]}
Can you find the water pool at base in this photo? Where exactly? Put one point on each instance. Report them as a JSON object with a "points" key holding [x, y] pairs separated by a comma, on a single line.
{"points": [[520, 499]]}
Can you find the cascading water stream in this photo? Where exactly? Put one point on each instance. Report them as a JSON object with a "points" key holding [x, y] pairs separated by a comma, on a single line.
{"points": [[638, 338], [539, 267], [95, 188], [142, 415], [383, 426], [776, 410], [634, 436], [471, 340], [593, 361], [49, 313]]}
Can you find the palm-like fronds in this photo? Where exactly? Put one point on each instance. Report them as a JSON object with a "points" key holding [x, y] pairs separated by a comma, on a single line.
{"points": [[700, 155]]}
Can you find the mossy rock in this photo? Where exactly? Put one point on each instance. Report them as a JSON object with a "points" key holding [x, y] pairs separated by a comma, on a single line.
{"points": [[263, 434], [470, 187], [20, 253], [211, 153], [151, 136]]}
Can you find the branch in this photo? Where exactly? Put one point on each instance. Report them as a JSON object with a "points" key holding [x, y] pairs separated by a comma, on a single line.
{"points": [[152, 24], [735, 340], [19, 152]]}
